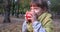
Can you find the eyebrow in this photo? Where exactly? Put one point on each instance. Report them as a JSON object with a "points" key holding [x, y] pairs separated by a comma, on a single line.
{"points": [[33, 5]]}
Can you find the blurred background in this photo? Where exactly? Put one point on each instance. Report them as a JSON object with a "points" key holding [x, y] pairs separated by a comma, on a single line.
{"points": [[12, 14]]}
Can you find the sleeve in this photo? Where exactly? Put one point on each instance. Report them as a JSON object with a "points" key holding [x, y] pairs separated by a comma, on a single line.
{"points": [[24, 27], [49, 26], [38, 27]]}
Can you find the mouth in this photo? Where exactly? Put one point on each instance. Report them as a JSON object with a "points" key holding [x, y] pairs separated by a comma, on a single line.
{"points": [[29, 21]]}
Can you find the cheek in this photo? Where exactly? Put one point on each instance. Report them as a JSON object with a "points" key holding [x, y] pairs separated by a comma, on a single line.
{"points": [[32, 10], [37, 11]]}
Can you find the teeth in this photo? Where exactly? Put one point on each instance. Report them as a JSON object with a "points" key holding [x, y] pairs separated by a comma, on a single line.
{"points": [[29, 18]]}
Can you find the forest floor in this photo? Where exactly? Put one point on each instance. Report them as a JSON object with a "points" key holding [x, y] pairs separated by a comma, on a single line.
{"points": [[16, 25]]}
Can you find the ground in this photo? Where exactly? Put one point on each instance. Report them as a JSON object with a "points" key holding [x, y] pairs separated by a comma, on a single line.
{"points": [[16, 25]]}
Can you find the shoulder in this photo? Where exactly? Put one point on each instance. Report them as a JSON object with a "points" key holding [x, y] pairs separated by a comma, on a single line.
{"points": [[24, 23]]}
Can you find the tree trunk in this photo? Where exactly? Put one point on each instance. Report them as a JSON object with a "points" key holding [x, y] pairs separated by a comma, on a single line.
{"points": [[17, 9], [7, 12]]}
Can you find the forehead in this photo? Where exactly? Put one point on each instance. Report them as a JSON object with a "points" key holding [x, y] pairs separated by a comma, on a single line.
{"points": [[33, 5]]}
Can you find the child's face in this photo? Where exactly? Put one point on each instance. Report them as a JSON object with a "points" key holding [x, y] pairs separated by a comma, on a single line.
{"points": [[36, 9]]}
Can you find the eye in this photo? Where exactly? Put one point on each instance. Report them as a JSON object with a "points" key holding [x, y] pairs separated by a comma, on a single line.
{"points": [[36, 7]]}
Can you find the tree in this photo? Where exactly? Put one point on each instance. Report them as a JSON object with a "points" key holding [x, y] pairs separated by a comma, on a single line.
{"points": [[17, 8], [1, 6], [7, 9], [24, 6], [55, 7]]}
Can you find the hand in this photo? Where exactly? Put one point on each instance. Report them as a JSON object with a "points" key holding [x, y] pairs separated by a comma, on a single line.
{"points": [[30, 15]]}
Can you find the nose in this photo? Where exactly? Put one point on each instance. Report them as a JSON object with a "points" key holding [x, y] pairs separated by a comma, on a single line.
{"points": [[32, 8]]}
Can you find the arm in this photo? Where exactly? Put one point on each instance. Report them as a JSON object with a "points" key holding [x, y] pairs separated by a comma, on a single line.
{"points": [[24, 28], [38, 27], [49, 26]]}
